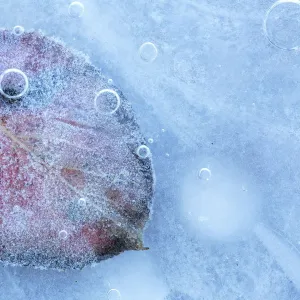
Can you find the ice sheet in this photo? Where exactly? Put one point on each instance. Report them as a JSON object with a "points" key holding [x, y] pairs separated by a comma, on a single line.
{"points": [[219, 90]]}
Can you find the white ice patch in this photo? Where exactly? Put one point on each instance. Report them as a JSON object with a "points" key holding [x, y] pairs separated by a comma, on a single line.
{"points": [[220, 208], [136, 279]]}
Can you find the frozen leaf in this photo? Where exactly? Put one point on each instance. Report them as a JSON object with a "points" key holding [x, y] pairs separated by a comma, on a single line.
{"points": [[66, 138]]}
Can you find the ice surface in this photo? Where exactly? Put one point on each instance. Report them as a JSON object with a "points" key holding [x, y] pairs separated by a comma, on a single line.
{"points": [[220, 90]]}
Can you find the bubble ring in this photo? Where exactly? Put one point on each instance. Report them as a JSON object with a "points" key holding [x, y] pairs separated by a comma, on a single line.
{"points": [[74, 4], [63, 234], [25, 87], [153, 47], [111, 92], [143, 147], [204, 171], [114, 291], [265, 25], [18, 30]]}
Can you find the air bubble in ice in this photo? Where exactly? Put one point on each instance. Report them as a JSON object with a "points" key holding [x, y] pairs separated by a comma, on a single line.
{"points": [[148, 52], [18, 30], [13, 83], [204, 174], [114, 294], [150, 141], [110, 81], [143, 151], [282, 24], [82, 202], [107, 101], [63, 234], [76, 9]]}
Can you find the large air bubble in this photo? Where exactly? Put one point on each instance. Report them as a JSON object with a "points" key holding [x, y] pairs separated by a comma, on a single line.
{"points": [[76, 9], [113, 294], [107, 101], [13, 84], [143, 151], [148, 52], [282, 24]]}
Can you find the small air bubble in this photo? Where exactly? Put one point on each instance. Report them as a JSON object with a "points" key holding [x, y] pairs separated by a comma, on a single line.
{"points": [[82, 202], [163, 130], [63, 234], [13, 84], [148, 52], [204, 174], [150, 141], [143, 151], [107, 101], [114, 294], [110, 81], [76, 9], [167, 154], [18, 30]]}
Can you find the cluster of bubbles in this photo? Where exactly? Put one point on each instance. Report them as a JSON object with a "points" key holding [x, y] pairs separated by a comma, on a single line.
{"points": [[14, 84], [282, 24]]}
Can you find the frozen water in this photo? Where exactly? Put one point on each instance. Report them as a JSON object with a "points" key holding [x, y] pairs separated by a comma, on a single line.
{"points": [[217, 206], [225, 89]]}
